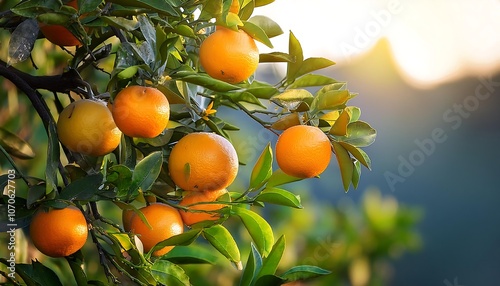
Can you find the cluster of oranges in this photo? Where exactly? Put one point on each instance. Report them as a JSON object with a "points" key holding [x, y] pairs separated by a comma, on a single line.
{"points": [[90, 127], [191, 159], [95, 128]]}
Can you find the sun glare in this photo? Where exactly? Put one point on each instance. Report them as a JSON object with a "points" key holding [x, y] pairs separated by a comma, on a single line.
{"points": [[432, 42]]}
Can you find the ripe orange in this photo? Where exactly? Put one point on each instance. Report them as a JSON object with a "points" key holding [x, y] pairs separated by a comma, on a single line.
{"points": [[203, 162], [198, 211], [303, 151], [165, 222], [141, 111], [230, 56], [59, 232], [59, 34], [86, 126]]}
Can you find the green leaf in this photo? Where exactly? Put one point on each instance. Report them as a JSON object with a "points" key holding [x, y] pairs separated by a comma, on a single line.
{"points": [[121, 23], [76, 264], [168, 273], [35, 193], [339, 128], [257, 33], [311, 80], [356, 174], [286, 121], [193, 254], [271, 28], [88, 6], [291, 98], [52, 158], [271, 262], [269, 280], [30, 9], [220, 238], [254, 263], [205, 81], [185, 238], [258, 228], [259, 3], [263, 168], [160, 6], [280, 178], [345, 164], [354, 113], [330, 100], [15, 146], [303, 272], [359, 134], [358, 153], [295, 51], [146, 171], [275, 57], [313, 64], [279, 197], [82, 189], [36, 273], [246, 97], [121, 177]]}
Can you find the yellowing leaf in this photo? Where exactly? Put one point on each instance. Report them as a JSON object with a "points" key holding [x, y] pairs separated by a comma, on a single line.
{"points": [[339, 128]]}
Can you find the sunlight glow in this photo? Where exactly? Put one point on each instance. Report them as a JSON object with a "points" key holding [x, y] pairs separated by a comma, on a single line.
{"points": [[432, 41]]}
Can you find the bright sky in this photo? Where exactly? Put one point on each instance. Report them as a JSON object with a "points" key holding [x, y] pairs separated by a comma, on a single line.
{"points": [[432, 41]]}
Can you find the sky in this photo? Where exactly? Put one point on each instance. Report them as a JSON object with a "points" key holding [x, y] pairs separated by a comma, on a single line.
{"points": [[432, 41]]}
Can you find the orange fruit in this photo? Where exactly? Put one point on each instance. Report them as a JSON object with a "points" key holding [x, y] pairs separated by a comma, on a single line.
{"points": [[303, 151], [198, 211], [165, 222], [141, 111], [230, 56], [203, 161], [59, 232], [58, 34], [86, 126]]}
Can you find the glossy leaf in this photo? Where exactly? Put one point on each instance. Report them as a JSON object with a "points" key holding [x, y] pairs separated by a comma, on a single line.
{"points": [[272, 261], [192, 254], [168, 273], [88, 6], [254, 263], [313, 64], [356, 174], [121, 23], [160, 6], [358, 153], [291, 98], [280, 178], [185, 238], [279, 197], [330, 100], [31, 9], [146, 171], [258, 228], [22, 41], [36, 273], [339, 128], [345, 164], [220, 238], [82, 189], [295, 51], [246, 97], [257, 33], [359, 134], [35, 193], [286, 121], [354, 113], [303, 272], [270, 27], [263, 168], [311, 80], [15, 146], [275, 57]]}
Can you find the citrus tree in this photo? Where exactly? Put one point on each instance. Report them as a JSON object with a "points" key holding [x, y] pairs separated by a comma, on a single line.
{"points": [[132, 122]]}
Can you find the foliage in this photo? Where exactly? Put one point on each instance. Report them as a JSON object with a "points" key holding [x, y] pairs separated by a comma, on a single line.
{"points": [[156, 43]]}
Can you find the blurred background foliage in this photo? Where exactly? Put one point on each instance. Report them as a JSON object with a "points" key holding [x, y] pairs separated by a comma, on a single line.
{"points": [[359, 240]]}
